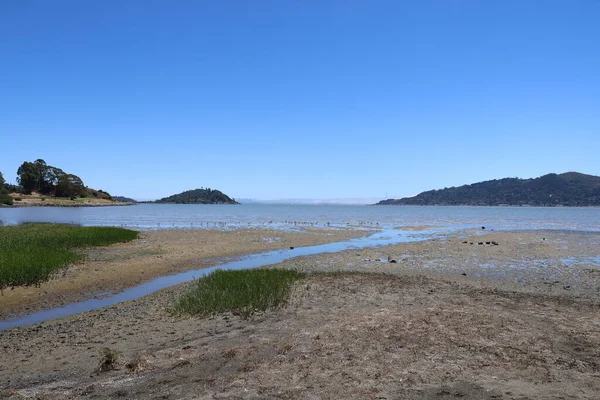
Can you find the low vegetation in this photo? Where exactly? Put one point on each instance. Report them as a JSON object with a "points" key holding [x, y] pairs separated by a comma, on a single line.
{"points": [[31, 253], [108, 359], [239, 292]]}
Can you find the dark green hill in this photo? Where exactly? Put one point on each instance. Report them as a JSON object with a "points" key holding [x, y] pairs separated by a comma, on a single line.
{"points": [[199, 196], [568, 189]]}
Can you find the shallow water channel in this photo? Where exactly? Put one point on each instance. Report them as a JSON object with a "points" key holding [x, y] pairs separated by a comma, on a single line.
{"points": [[381, 238]]}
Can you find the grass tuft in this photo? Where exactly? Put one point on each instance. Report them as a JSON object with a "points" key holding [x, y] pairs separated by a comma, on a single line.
{"points": [[239, 292], [31, 253], [108, 359]]}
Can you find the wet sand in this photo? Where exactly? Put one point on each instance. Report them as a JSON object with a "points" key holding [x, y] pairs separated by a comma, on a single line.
{"points": [[422, 330], [157, 253], [545, 261]]}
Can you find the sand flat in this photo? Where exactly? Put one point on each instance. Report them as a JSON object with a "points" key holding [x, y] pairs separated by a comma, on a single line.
{"points": [[157, 253]]}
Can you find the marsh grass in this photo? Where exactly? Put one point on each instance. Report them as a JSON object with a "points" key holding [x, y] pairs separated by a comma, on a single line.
{"points": [[31, 253], [241, 292]]}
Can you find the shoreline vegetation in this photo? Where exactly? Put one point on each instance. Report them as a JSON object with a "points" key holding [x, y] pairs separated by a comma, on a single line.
{"points": [[241, 293], [43, 185], [155, 254], [31, 254]]}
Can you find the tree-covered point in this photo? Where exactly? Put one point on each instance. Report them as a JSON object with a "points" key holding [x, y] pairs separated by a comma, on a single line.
{"points": [[48, 180], [199, 196], [568, 189]]}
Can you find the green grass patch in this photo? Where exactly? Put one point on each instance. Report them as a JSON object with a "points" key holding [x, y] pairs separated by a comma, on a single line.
{"points": [[31, 253], [241, 292]]}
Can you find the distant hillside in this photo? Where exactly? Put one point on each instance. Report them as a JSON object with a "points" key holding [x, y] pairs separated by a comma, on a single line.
{"points": [[123, 199], [568, 189], [199, 196]]}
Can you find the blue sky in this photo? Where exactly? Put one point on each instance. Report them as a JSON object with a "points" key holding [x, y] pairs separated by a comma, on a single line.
{"points": [[299, 99]]}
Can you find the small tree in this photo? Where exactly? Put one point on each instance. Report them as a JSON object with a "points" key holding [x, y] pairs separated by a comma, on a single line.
{"points": [[2, 182]]}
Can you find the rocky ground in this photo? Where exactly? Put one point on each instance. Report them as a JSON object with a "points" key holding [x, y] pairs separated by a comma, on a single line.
{"points": [[421, 330]]}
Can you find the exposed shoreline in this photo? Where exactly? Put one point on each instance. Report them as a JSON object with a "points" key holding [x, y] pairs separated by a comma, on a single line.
{"points": [[50, 204], [156, 253], [414, 329]]}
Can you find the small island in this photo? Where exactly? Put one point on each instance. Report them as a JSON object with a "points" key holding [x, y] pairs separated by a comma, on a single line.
{"points": [[199, 196], [571, 189]]}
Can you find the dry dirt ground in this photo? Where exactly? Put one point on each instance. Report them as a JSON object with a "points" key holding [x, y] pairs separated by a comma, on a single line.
{"points": [[353, 335], [157, 253]]}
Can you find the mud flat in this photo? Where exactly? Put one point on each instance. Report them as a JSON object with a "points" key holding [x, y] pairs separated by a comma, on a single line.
{"points": [[545, 260], [157, 253], [419, 331]]}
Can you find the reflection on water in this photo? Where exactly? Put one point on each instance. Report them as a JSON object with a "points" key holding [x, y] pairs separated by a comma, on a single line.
{"points": [[168, 216]]}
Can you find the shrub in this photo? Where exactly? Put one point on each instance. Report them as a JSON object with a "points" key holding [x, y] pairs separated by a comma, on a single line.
{"points": [[4, 199], [108, 359]]}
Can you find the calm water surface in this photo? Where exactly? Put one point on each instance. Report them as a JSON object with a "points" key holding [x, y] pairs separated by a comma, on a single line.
{"points": [[165, 216]]}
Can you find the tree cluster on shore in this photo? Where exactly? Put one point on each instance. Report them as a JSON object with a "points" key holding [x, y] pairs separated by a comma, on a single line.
{"points": [[39, 177], [569, 189]]}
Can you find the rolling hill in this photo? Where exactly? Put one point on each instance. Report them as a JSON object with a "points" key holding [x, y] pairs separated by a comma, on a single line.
{"points": [[568, 189]]}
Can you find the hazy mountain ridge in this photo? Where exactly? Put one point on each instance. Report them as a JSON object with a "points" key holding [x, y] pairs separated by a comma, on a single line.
{"points": [[567, 189]]}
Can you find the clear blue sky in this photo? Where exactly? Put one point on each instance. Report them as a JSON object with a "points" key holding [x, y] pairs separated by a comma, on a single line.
{"points": [[299, 99]]}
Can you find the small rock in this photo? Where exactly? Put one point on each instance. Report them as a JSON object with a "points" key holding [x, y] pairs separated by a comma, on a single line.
{"points": [[291, 247], [479, 242], [393, 261], [483, 227], [464, 274]]}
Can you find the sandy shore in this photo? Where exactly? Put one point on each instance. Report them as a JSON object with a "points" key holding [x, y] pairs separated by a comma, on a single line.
{"points": [[425, 331], [156, 253]]}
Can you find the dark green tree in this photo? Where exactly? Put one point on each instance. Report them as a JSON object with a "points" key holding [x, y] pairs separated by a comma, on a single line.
{"points": [[69, 185], [2, 182], [32, 176], [27, 177]]}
